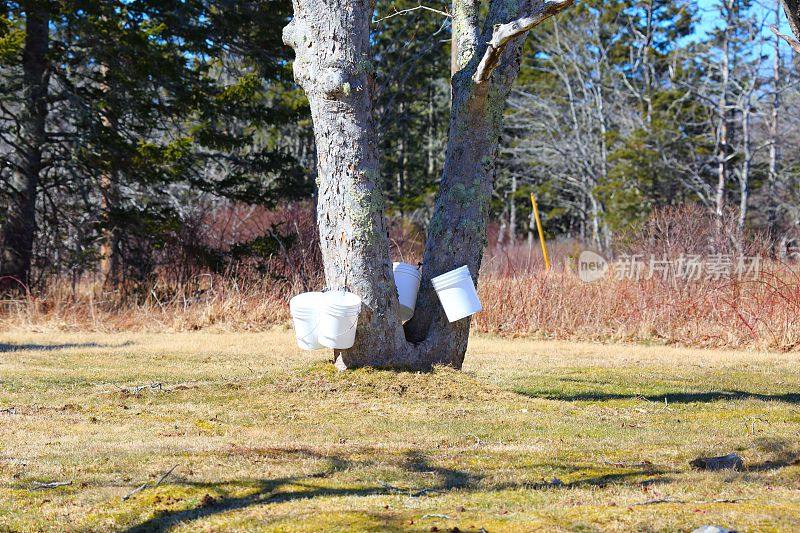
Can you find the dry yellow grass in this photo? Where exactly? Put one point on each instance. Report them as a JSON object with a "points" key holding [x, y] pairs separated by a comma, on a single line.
{"points": [[267, 437]]}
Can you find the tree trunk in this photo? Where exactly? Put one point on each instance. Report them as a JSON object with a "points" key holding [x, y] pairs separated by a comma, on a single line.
{"points": [[333, 65], [773, 125], [110, 267], [20, 226], [722, 110], [503, 230], [744, 175], [512, 213], [331, 43]]}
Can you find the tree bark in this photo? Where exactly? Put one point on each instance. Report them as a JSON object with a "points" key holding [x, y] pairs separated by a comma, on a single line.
{"points": [[333, 65], [20, 226], [465, 33]]}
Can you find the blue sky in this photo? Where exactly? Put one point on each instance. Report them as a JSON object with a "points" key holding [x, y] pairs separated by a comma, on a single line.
{"points": [[763, 8]]}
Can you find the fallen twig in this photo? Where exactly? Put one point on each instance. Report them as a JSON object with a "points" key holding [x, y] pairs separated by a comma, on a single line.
{"points": [[51, 484], [134, 491], [694, 502], [444, 516], [162, 478], [151, 386], [143, 486], [643, 464]]}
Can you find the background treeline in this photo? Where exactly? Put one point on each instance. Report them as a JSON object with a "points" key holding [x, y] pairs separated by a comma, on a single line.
{"points": [[122, 123], [159, 140]]}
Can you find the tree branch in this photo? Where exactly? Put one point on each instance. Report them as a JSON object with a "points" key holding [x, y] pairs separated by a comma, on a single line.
{"points": [[409, 10], [503, 33], [792, 9], [794, 43]]}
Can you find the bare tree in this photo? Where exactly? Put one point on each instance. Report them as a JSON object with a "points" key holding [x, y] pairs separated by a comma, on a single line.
{"points": [[333, 64], [774, 122], [564, 135], [727, 8]]}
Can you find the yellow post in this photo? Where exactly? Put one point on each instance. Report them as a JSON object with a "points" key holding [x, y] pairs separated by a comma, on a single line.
{"points": [[541, 233]]}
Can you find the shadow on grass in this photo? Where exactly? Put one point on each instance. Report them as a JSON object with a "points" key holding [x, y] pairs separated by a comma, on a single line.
{"points": [[670, 397], [782, 453], [52, 347], [274, 491]]}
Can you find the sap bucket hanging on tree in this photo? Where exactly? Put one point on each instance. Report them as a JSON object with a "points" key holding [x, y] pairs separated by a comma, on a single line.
{"points": [[338, 319], [305, 309], [406, 279], [456, 291]]}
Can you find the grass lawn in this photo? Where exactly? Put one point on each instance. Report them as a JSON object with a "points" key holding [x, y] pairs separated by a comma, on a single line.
{"points": [[531, 435]]}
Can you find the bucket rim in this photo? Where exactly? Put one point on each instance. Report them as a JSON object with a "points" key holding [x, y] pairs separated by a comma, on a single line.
{"points": [[345, 298], [343, 311], [407, 269], [297, 300], [449, 277]]}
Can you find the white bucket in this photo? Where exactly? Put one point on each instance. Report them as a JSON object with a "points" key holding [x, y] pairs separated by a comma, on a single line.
{"points": [[338, 319], [457, 293], [406, 279], [305, 316]]}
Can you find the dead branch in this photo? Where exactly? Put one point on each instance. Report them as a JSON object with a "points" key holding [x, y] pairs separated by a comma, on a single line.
{"points": [[694, 502], [794, 43], [143, 486], [135, 390], [643, 464], [503, 33], [409, 10], [51, 484], [134, 491]]}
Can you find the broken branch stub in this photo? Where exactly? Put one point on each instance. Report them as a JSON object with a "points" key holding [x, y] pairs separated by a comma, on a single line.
{"points": [[503, 33]]}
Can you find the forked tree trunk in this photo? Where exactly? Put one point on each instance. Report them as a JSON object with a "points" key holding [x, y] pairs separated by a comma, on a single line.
{"points": [[20, 224], [333, 64]]}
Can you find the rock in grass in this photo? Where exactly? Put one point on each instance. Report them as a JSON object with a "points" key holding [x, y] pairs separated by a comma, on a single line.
{"points": [[713, 529], [725, 462]]}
